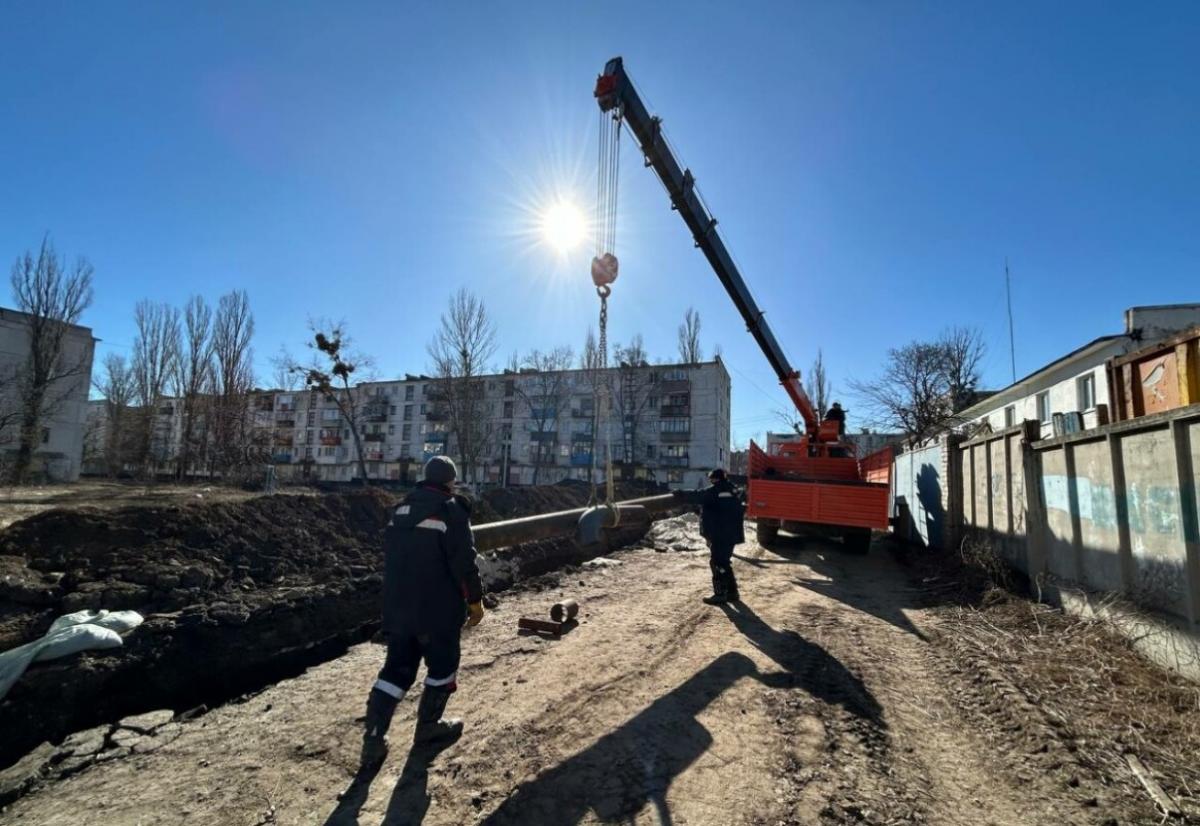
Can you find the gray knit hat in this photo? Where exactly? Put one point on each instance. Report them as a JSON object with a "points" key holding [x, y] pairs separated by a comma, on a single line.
{"points": [[440, 470]]}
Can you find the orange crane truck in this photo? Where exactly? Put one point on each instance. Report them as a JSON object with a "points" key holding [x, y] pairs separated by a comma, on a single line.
{"points": [[816, 483]]}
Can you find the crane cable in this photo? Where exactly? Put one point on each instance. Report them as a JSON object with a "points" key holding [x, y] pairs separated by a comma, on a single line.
{"points": [[604, 273]]}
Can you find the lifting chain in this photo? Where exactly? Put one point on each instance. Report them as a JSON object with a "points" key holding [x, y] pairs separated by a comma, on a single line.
{"points": [[604, 273]]}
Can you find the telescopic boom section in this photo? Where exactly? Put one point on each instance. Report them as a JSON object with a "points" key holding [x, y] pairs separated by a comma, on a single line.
{"points": [[614, 90]]}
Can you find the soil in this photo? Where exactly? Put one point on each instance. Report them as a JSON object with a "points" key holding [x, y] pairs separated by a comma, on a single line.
{"points": [[27, 500], [840, 690], [236, 594]]}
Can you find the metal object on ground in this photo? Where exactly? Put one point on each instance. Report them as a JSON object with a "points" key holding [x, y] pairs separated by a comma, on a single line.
{"points": [[541, 626], [568, 609], [528, 528]]}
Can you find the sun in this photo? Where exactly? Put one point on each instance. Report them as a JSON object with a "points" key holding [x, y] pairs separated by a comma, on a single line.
{"points": [[563, 226]]}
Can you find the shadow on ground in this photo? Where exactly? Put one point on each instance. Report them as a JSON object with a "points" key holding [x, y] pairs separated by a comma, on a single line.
{"points": [[634, 765], [410, 798], [871, 583]]}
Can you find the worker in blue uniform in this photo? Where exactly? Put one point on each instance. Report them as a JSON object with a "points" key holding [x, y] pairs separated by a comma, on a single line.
{"points": [[431, 589], [721, 525]]}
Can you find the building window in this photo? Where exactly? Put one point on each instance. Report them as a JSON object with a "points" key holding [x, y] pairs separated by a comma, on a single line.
{"points": [[408, 410], [408, 392], [508, 410], [407, 434], [392, 410], [45, 435], [675, 425], [391, 430], [422, 410], [1085, 391], [674, 475], [1043, 407], [1010, 415]]}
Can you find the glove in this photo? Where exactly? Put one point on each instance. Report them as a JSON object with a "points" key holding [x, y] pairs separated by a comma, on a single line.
{"points": [[474, 614]]}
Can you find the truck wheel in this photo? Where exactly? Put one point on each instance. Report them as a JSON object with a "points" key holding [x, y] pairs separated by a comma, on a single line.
{"points": [[857, 542], [766, 534]]}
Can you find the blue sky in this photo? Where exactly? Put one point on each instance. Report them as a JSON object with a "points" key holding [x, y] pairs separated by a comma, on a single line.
{"points": [[871, 165]]}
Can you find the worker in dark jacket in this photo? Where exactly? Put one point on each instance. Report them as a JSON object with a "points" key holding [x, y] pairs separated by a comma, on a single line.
{"points": [[836, 414], [431, 588], [721, 524]]}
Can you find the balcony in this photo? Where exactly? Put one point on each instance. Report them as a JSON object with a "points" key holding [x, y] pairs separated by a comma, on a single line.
{"points": [[437, 436], [436, 415], [673, 461], [585, 436], [283, 441], [281, 458], [373, 455], [675, 436], [543, 414], [373, 437], [543, 435], [581, 460], [674, 386], [331, 441], [285, 424], [675, 411], [584, 413]]}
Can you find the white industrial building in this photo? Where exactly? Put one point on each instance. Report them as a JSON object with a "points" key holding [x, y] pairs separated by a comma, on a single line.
{"points": [[669, 423], [59, 456], [1078, 382]]}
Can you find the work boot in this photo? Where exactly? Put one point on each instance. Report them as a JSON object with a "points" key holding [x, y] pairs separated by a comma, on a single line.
{"points": [[431, 728], [719, 594], [380, 708], [731, 589]]}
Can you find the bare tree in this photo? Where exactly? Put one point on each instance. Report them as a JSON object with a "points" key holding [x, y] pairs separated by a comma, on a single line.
{"points": [[545, 389], [53, 296], [283, 377], [591, 362], [155, 351], [193, 371], [817, 386], [632, 388], [118, 386], [963, 351], [330, 373], [924, 385], [233, 378], [689, 338], [459, 352]]}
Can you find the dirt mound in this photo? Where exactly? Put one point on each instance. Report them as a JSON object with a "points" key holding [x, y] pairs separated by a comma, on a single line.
{"points": [[163, 559], [236, 596]]}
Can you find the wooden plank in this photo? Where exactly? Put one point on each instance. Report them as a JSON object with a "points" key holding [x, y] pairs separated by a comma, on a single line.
{"points": [[1160, 796]]}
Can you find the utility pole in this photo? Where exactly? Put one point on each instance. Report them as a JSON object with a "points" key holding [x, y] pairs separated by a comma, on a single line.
{"points": [[1012, 342]]}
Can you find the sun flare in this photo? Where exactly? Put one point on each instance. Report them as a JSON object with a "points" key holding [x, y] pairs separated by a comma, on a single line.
{"points": [[563, 226]]}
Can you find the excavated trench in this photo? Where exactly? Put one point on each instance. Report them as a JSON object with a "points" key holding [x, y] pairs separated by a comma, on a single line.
{"points": [[237, 596]]}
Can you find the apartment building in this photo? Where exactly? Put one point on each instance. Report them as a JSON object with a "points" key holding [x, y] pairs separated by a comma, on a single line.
{"points": [[60, 455], [666, 422]]}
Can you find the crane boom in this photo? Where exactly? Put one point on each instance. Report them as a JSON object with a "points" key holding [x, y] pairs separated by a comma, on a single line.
{"points": [[614, 90]]}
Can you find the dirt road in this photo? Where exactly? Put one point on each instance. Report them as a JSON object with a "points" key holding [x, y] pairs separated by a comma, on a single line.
{"points": [[827, 696]]}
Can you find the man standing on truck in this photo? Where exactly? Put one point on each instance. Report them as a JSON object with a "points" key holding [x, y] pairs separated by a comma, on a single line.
{"points": [[721, 525], [431, 588], [836, 414]]}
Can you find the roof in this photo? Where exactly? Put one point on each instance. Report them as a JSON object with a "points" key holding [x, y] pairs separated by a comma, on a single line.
{"points": [[20, 315], [1017, 388]]}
